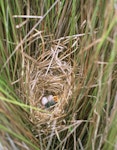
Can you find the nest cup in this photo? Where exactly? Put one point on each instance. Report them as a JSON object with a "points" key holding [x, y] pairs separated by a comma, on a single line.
{"points": [[49, 74]]}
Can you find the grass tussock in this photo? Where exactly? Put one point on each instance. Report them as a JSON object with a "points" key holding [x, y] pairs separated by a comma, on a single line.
{"points": [[67, 49]]}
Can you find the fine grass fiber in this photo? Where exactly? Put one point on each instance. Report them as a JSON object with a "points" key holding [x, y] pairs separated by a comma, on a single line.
{"points": [[67, 49]]}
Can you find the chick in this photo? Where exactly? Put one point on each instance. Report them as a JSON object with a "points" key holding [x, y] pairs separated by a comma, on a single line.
{"points": [[50, 103]]}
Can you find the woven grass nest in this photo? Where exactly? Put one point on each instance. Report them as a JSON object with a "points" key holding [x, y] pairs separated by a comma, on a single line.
{"points": [[49, 74]]}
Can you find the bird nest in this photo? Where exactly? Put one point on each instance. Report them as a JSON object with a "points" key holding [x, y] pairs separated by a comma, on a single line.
{"points": [[49, 74]]}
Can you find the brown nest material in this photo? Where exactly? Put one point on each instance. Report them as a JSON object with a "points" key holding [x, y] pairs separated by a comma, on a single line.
{"points": [[49, 74]]}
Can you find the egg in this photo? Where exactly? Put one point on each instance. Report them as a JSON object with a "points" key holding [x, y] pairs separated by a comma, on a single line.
{"points": [[50, 98], [44, 101]]}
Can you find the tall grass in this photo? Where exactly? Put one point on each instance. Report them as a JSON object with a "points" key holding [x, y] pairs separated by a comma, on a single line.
{"points": [[87, 29]]}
